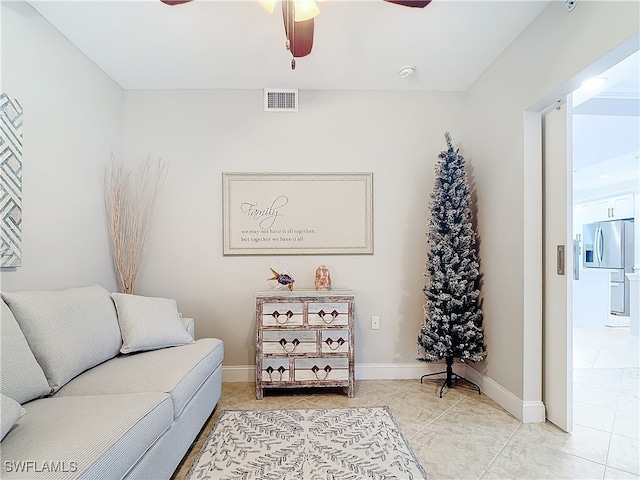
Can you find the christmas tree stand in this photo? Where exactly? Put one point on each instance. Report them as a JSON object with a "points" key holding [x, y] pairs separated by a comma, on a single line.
{"points": [[452, 379]]}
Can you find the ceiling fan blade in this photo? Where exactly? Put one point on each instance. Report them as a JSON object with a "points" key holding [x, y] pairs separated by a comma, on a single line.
{"points": [[299, 34], [174, 2], [301, 39], [411, 3]]}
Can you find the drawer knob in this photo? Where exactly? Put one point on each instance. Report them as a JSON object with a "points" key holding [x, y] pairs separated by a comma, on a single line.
{"points": [[295, 343], [280, 370], [315, 371], [334, 345]]}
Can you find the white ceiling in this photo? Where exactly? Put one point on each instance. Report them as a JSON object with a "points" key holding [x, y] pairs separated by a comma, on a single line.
{"points": [[358, 44], [235, 44], [606, 132]]}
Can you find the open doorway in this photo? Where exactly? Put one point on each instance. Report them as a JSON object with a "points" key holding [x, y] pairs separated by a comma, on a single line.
{"points": [[606, 168]]}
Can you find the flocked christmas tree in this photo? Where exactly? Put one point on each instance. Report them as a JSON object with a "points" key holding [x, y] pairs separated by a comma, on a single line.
{"points": [[453, 318]]}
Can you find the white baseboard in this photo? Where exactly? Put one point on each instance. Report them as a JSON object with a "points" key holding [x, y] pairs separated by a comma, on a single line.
{"points": [[533, 412], [395, 371], [525, 411], [239, 373]]}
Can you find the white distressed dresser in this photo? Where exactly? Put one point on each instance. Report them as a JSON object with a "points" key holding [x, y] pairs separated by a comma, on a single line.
{"points": [[305, 338]]}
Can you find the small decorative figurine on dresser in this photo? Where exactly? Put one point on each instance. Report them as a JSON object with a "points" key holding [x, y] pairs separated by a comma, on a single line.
{"points": [[283, 279], [323, 278]]}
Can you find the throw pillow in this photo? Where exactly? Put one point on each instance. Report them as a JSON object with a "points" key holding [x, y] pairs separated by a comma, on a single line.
{"points": [[149, 323], [69, 331], [21, 377], [10, 413]]}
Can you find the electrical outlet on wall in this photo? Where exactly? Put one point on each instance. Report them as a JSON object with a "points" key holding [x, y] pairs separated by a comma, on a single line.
{"points": [[375, 322]]}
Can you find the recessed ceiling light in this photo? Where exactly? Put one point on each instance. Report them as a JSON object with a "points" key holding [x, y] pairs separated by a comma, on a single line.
{"points": [[604, 176], [594, 83], [407, 71]]}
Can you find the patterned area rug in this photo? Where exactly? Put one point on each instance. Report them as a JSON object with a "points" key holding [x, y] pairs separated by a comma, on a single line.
{"points": [[307, 444]]}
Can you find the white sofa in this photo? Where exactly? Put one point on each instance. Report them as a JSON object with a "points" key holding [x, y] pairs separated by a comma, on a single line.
{"points": [[75, 406]]}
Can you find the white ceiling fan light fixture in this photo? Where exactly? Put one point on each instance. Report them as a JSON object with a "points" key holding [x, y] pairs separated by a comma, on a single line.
{"points": [[268, 5], [298, 17], [407, 71], [305, 10]]}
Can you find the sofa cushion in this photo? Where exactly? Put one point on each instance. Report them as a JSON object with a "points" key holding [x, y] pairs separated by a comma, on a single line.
{"points": [[149, 323], [178, 371], [21, 377], [10, 412], [67, 438], [68, 331]]}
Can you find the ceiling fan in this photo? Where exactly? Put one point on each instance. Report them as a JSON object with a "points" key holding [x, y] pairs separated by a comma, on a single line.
{"points": [[298, 16]]}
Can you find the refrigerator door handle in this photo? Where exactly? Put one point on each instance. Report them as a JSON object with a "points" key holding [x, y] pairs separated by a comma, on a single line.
{"points": [[596, 245], [600, 245]]}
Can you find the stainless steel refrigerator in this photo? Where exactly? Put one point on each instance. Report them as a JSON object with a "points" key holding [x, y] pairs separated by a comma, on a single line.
{"points": [[610, 245]]}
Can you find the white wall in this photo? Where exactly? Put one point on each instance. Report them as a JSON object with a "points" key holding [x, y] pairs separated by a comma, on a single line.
{"points": [[72, 119], [201, 134], [546, 62]]}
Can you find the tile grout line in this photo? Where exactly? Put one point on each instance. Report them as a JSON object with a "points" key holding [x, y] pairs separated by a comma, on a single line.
{"points": [[615, 415], [610, 410], [563, 452], [606, 459], [435, 418], [486, 469], [595, 360]]}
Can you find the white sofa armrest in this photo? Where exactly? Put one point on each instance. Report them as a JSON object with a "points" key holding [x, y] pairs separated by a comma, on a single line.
{"points": [[189, 324]]}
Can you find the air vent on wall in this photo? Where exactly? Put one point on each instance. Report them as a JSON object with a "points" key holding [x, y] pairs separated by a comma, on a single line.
{"points": [[279, 100]]}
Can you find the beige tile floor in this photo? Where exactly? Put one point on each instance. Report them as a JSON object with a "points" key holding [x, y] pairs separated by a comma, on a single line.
{"points": [[605, 347], [468, 436], [606, 395]]}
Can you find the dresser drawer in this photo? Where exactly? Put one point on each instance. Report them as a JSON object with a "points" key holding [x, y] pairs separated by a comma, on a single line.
{"points": [[275, 370], [328, 313], [283, 314], [288, 341], [334, 341], [321, 369]]}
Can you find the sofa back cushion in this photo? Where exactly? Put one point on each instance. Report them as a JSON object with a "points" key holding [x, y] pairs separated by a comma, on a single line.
{"points": [[69, 331], [21, 378]]}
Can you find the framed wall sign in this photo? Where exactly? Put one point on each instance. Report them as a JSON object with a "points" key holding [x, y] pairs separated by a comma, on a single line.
{"points": [[297, 213]]}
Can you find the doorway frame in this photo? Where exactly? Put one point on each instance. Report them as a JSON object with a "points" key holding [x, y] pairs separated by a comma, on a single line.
{"points": [[533, 227]]}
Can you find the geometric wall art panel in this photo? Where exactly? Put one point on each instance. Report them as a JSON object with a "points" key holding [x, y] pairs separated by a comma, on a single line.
{"points": [[10, 181]]}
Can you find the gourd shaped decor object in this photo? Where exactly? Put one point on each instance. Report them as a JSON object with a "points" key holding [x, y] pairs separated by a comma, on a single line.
{"points": [[323, 278]]}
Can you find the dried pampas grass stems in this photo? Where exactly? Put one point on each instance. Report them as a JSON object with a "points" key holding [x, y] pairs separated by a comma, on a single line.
{"points": [[130, 198]]}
